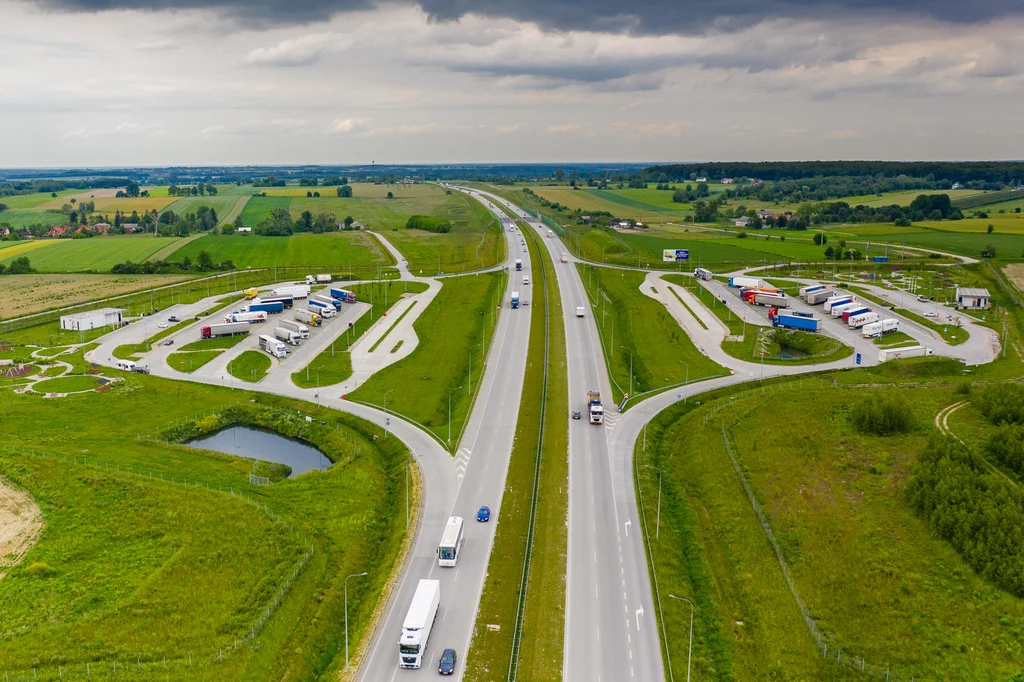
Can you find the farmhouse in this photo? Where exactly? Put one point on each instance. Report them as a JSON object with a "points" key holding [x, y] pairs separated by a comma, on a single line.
{"points": [[57, 231], [702, 179], [764, 215], [130, 228], [957, 185], [93, 319], [101, 228], [741, 222], [972, 298], [5, 232]]}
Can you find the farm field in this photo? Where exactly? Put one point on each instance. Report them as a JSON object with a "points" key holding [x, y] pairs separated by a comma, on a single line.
{"points": [[20, 218], [35, 199], [334, 250], [25, 294], [106, 202], [905, 198], [134, 568], [80, 255], [881, 586], [227, 207], [724, 249]]}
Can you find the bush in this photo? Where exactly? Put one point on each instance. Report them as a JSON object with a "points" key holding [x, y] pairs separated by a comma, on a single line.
{"points": [[428, 223], [1002, 404], [39, 569], [883, 415], [1007, 447], [989, 251]]}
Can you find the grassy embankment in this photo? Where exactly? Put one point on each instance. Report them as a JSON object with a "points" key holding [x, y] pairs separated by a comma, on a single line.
{"points": [[452, 331], [335, 363], [130, 569], [801, 348], [540, 648], [627, 319], [878, 583], [251, 366]]}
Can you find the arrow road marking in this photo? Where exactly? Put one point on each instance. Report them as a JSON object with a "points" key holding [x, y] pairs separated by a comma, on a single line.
{"points": [[639, 612]]}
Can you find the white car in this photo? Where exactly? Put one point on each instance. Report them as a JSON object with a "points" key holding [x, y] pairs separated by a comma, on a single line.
{"points": [[931, 314], [579, 311], [162, 325], [526, 281]]}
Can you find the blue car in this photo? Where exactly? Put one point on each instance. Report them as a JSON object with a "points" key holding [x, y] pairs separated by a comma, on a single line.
{"points": [[484, 514]]}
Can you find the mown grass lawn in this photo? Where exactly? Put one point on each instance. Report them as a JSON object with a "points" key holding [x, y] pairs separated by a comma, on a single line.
{"points": [[67, 384], [251, 366], [189, 362], [221, 342]]}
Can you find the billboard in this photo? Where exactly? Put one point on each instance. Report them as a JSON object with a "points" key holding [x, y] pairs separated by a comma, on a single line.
{"points": [[673, 255]]}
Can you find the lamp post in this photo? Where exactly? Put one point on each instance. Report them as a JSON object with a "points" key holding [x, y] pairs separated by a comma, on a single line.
{"points": [[630, 368], [318, 385], [450, 413], [354, 575], [387, 420], [690, 650], [657, 531]]}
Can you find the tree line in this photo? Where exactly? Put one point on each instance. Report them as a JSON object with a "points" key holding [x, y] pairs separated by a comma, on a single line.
{"points": [[203, 263], [997, 172], [198, 190]]}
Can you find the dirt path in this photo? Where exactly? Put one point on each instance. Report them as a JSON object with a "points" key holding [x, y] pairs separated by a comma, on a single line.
{"points": [[21, 522], [167, 251]]}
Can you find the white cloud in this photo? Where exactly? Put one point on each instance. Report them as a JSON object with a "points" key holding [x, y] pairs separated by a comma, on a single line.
{"points": [[301, 51], [288, 123], [347, 125]]}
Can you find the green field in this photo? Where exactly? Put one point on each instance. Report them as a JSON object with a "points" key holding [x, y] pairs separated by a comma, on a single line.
{"points": [[251, 366], [879, 584], [335, 363], [337, 250], [228, 207], [98, 254], [20, 218], [130, 570], [452, 332], [34, 199], [662, 354]]}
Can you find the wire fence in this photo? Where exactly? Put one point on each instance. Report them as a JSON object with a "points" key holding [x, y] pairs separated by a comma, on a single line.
{"points": [[187, 661]]}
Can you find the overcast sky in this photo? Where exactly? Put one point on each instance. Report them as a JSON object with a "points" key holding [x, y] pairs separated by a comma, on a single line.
{"points": [[112, 82]]}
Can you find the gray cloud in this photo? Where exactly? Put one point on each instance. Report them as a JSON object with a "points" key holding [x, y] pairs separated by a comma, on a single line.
{"points": [[651, 17]]}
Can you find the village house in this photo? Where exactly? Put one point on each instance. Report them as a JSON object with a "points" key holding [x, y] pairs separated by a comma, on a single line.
{"points": [[243, 230], [130, 228], [5, 232], [101, 228], [57, 231], [702, 179], [741, 222]]}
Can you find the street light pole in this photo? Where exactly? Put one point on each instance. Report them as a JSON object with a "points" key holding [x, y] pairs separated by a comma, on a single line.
{"points": [[450, 391], [318, 385], [354, 575], [387, 420], [630, 369], [690, 650], [657, 531]]}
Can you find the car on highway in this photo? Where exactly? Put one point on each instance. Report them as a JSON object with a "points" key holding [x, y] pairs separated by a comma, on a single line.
{"points": [[526, 281], [447, 663], [483, 514], [931, 314], [172, 318], [576, 414], [162, 325], [169, 342]]}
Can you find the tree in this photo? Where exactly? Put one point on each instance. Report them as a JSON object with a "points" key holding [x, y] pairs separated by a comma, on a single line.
{"points": [[309, 195], [132, 188], [2, 268], [19, 266], [390, 195], [348, 221], [204, 262], [559, 175], [991, 228], [989, 251], [830, 253], [820, 239], [345, 191]]}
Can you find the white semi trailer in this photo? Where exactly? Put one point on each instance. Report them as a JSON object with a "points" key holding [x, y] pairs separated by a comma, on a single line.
{"points": [[419, 621]]}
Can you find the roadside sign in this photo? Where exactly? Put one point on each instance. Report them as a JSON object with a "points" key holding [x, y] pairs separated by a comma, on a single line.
{"points": [[673, 255], [858, 358]]}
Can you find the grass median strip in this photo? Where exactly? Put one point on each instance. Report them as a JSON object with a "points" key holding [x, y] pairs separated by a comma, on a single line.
{"points": [[221, 342], [250, 366], [529, 495], [189, 362], [688, 309], [392, 326]]}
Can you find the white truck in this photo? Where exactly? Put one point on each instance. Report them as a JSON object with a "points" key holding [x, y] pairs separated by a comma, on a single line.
{"points": [[565, 258], [419, 621], [881, 327], [886, 354], [318, 279], [308, 316], [580, 310], [838, 310], [297, 291], [322, 308], [519, 264], [551, 233], [251, 318], [287, 335], [858, 321], [594, 407], [273, 346], [302, 329]]}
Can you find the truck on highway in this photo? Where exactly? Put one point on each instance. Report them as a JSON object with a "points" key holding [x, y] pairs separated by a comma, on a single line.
{"points": [[816, 297], [861, 319], [286, 301], [322, 308], [565, 258], [343, 295], [274, 346], [297, 291], [791, 320], [580, 311], [519, 264], [515, 299], [302, 329], [318, 279], [419, 621], [450, 547], [252, 293], [881, 327], [737, 282], [268, 308], [810, 288], [850, 312], [227, 329], [287, 335], [551, 233], [594, 407], [251, 318], [838, 300], [704, 274], [335, 303], [308, 316], [776, 300], [886, 354]]}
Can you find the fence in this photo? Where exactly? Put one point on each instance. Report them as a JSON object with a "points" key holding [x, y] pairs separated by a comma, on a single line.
{"points": [[188, 660]]}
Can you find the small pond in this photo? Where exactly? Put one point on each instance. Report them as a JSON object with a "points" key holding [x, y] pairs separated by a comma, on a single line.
{"points": [[269, 446]]}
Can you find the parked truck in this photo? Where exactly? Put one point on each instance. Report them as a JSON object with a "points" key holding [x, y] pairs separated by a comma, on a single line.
{"points": [[335, 303], [343, 295], [318, 279], [251, 293], [227, 329], [737, 282], [837, 300], [810, 288], [850, 312], [297, 291], [308, 316], [286, 301], [879, 328], [515, 299], [519, 264], [302, 329], [886, 354], [704, 274], [776, 300], [838, 309], [594, 407], [322, 308], [419, 621], [791, 320], [249, 318], [273, 346], [268, 308], [861, 319], [287, 335], [819, 296]]}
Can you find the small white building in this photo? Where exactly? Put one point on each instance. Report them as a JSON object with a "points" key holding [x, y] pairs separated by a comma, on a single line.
{"points": [[93, 319], [243, 230], [972, 298], [727, 181], [702, 179]]}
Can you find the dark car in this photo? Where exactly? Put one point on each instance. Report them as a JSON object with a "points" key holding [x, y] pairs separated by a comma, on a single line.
{"points": [[169, 342], [141, 370], [484, 514], [172, 318], [576, 414], [447, 664]]}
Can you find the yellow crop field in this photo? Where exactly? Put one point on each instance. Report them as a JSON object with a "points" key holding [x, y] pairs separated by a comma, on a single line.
{"points": [[1016, 274], [21, 248], [106, 202], [26, 294]]}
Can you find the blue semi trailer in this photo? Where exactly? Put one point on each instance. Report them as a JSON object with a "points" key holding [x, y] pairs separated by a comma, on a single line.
{"points": [[268, 308], [782, 318]]}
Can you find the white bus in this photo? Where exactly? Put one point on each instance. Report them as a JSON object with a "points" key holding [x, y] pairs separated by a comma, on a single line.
{"points": [[451, 542]]}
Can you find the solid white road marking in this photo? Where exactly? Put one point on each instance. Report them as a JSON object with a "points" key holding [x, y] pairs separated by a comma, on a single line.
{"points": [[639, 612], [445, 614], [627, 525]]}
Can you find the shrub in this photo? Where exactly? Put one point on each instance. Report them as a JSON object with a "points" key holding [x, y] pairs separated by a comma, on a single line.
{"points": [[1002, 404], [39, 569], [428, 223], [1007, 447], [883, 415]]}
